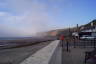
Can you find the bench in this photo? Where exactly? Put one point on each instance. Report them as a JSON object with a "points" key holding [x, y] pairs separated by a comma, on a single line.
{"points": [[90, 55]]}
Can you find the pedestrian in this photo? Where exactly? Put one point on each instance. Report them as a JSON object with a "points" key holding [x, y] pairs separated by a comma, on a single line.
{"points": [[62, 40]]}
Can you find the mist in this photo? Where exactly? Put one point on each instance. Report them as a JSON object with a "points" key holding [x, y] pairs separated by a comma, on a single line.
{"points": [[25, 18]]}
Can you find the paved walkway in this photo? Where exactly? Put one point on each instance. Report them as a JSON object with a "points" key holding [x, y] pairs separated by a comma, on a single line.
{"points": [[17, 55], [75, 56]]}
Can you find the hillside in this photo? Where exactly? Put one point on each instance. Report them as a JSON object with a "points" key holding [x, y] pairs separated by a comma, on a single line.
{"points": [[67, 31], [89, 24]]}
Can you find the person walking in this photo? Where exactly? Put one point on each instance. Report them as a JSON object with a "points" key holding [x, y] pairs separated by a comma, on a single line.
{"points": [[62, 40]]}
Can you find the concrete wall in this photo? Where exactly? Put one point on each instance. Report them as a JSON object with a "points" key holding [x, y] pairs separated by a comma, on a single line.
{"points": [[57, 55], [50, 54]]}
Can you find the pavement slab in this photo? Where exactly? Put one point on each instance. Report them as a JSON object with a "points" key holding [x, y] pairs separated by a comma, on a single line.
{"points": [[75, 55]]}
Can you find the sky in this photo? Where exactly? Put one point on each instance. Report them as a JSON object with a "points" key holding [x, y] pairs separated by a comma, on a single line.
{"points": [[28, 17]]}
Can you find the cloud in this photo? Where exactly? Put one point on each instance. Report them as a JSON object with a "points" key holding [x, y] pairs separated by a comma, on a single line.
{"points": [[25, 18], [33, 19], [24, 25]]}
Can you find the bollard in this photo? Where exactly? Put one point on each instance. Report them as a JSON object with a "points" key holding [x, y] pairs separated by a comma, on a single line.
{"points": [[74, 43], [84, 43], [94, 42], [67, 43]]}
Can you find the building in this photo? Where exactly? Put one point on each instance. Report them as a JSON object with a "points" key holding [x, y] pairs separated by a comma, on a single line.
{"points": [[90, 31]]}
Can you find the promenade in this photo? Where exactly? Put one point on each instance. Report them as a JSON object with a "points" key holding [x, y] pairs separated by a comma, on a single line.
{"points": [[49, 52], [74, 55], [17, 55]]}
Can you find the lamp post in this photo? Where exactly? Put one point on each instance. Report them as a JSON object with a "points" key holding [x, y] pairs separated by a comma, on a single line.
{"points": [[67, 43], [92, 25], [77, 34]]}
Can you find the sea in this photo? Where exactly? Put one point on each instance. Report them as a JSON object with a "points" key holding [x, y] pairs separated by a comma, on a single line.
{"points": [[4, 42], [13, 38]]}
